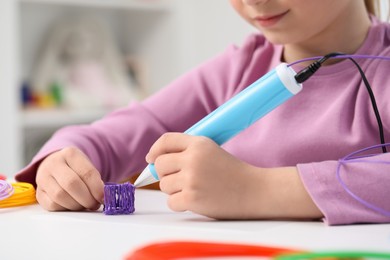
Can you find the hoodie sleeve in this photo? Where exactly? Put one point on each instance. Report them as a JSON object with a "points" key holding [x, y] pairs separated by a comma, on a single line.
{"points": [[350, 191], [118, 143]]}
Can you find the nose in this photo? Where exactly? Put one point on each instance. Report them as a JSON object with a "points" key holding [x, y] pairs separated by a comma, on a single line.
{"points": [[254, 2]]}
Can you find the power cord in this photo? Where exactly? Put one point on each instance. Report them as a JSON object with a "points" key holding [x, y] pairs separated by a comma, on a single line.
{"points": [[309, 71]]}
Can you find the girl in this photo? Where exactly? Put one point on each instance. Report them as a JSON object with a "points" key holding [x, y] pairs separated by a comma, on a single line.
{"points": [[282, 167]]}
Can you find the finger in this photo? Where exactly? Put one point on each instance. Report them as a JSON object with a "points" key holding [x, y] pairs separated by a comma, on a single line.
{"points": [[168, 143], [167, 164], [171, 184], [82, 166], [177, 202], [72, 183], [46, 202], [63, 185], [56, 194]]}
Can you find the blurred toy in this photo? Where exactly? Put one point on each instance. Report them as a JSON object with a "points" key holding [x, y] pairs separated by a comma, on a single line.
{"points": [[172, 250], [80, 67]]}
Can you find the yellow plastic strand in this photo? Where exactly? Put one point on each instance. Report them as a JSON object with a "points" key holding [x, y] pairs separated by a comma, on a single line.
{"points": [[24, 194]]}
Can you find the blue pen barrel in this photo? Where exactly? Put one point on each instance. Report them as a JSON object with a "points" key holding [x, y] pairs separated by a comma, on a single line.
{"points": [[242, 110], [248, 106]]}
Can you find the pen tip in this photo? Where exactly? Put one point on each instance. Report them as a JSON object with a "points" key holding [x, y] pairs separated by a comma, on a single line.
{"points": [[137, 182], [145, 178]]}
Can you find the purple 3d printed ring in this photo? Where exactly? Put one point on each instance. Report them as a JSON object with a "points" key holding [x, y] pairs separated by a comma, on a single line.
{"points": [[6, 190], [118, 198]]}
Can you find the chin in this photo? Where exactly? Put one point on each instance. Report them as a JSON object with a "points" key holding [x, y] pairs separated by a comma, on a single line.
{"points": [[279, 38], [276, 40]]}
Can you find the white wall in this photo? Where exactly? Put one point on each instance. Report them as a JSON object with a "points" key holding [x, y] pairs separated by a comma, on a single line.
{"points": [[384, 9], [207, 27], [194, 31], [9, 118]]}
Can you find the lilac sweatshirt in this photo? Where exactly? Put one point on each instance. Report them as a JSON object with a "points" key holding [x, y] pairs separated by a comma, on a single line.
{"points": [[329, 119]]}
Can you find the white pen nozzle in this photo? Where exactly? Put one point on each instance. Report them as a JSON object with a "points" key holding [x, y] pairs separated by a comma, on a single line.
{"points": [[145, 178]]}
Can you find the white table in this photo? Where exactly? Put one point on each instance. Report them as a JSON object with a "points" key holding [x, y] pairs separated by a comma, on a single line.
{"points": [[33, 233]]}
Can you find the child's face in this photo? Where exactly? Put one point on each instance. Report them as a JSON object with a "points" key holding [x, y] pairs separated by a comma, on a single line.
{"points": [[295, 21]]}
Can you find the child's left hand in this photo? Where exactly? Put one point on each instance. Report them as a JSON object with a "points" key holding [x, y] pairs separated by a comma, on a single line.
{"points": [[201, 177]]}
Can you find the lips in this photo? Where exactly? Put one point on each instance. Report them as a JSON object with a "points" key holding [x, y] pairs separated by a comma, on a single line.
{"points": [[269, 20]]}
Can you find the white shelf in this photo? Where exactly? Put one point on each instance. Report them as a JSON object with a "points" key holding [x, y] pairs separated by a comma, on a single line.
{"points": [[53, 118], [147, 5]]}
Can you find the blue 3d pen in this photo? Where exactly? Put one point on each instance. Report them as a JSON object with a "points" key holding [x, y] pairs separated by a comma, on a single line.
{"points": [[240, 112]]}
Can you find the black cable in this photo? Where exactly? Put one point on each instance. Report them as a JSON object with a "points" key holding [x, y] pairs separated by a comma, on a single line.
{"points": [[374, 105], [307, 72]]}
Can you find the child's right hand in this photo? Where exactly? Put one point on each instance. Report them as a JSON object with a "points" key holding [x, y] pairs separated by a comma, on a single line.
{"points": [[67, 180]]}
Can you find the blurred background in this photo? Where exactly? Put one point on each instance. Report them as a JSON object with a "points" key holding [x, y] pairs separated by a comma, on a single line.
{"points": [[70, 62]]}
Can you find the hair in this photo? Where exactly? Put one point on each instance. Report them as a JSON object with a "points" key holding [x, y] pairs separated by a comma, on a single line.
{"points": [[374, 7]]}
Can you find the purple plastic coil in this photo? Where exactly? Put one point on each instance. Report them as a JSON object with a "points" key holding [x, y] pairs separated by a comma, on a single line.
{"points": [[118, 198], [6, 190]]}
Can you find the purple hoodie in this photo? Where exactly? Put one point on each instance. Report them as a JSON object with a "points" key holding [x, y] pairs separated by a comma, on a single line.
{"points": [[331, 117]]}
